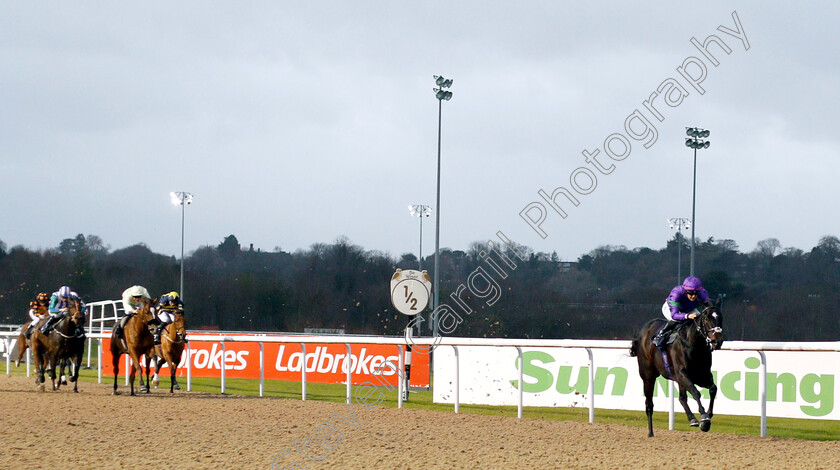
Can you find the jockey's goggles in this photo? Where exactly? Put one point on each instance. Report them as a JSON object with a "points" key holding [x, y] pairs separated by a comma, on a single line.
{"points": [[691, 292]]}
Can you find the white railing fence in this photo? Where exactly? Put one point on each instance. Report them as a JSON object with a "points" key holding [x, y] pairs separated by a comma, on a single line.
{"points": [[401, 344]]}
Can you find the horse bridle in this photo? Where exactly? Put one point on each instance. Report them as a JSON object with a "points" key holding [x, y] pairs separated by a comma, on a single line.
{"points": [[701, 327]]}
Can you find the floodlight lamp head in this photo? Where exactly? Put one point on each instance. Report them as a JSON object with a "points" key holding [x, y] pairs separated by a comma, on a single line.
{"points": [[689, 143], [706, 144], [439, 80], [689, 131], [705, 133]]}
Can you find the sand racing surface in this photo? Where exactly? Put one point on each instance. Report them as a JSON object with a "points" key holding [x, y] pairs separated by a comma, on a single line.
{"points": [[93, 429]]}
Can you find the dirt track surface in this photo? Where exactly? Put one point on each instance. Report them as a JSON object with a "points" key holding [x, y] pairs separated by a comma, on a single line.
{"points": [[199, 430]]}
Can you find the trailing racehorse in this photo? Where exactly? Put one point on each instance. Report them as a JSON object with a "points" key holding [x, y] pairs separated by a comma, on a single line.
{"points": [[59, 344], [691, 362], [136, 341], [170, 349], [23, 343]]}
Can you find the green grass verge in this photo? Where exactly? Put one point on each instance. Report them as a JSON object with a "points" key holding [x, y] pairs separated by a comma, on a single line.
{"points": [[810, 429]]}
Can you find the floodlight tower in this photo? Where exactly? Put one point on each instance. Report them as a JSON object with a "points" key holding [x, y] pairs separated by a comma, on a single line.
{"points": [[181, 198], [679, 224], [695, 141], [420, 210], [441, 94]]}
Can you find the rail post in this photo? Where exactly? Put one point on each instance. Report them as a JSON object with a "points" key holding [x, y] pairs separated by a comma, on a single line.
{"points": [[99, 361], [349, 362], [262, 369], [521, 385], [303, 373], [591, 384], [457, 380], [400, 372], [189, 367], [762, 392], [223, 367]]}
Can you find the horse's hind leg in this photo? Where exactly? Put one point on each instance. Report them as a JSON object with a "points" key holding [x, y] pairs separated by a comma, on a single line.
{"points": [[115, 362], [648, 387]]}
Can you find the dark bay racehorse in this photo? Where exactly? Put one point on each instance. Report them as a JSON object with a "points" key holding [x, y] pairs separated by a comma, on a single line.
{"points": [[691, 362], [173, 340], [59, 344], [137, 341]]}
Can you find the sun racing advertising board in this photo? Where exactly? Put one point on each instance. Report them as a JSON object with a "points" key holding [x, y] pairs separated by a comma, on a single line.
{"points": [[800, 384]]}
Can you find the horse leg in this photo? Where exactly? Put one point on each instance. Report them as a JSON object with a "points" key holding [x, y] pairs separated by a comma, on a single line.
{"points": [[705, 419], [133, 372], [115, 362], [148, 371], [144, 386], [52, 373], [692, 420], [62, 378], [39, 371], [649, 384], [78, 365], [712, 393], [60, 365], [158, 365]]}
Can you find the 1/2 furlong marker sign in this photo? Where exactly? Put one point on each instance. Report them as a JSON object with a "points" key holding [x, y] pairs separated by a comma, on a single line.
{"points": [[325, 363], [410, 291]]}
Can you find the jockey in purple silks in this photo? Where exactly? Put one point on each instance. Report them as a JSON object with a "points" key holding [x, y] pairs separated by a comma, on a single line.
{"points": [[682, 305]]}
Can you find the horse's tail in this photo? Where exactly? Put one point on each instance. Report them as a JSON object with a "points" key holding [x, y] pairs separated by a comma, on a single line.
{"points": [[634, 346]]}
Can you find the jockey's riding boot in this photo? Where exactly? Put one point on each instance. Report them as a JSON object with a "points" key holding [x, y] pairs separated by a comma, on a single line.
{"points": [[48, 325], [28, 332], [158, 330], [80, 332], [659, 339], [118, 328]]}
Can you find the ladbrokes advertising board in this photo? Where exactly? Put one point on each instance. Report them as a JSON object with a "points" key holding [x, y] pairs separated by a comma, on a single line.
{"points": [[325, 363]]}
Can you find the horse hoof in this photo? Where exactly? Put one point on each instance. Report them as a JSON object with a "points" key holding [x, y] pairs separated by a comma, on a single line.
{"points": [[694, 422], [177, 387], [705, 426]]}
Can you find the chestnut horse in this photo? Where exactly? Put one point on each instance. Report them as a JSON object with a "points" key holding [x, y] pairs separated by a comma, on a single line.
{"points": [[173, 341], [691, 362], [136, 341], [23, 343], [59, 344]]}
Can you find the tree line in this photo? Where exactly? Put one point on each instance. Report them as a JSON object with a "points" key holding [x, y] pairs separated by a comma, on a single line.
{"points": [[770, 293]]}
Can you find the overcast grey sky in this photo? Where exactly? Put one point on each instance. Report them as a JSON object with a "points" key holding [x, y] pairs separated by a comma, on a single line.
{"points": [[298, 122]]}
